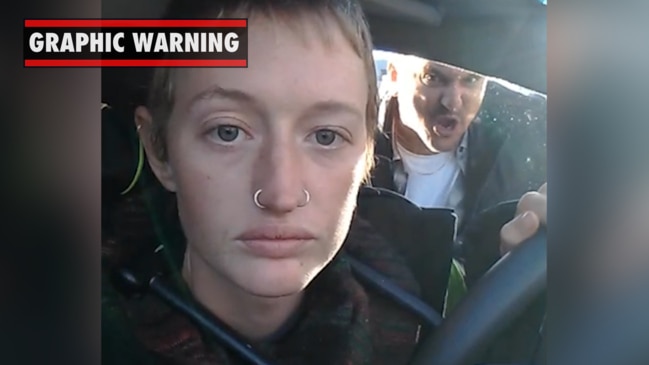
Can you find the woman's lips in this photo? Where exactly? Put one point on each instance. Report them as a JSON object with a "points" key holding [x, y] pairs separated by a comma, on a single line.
{"points": [[274, 241], [274, 249]]}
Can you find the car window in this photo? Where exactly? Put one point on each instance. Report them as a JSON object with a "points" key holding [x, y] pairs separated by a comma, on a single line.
{"points": [[510, 114], [502, 99], [383, 57]]}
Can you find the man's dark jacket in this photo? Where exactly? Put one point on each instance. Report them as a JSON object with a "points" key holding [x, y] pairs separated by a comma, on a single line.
{"points": [[506, 158]]}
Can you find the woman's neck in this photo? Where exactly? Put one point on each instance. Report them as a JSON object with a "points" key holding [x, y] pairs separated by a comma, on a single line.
{"points": [[253, 317]]}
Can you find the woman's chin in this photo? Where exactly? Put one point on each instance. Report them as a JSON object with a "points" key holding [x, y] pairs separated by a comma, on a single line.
{"points": [[277, 278]]}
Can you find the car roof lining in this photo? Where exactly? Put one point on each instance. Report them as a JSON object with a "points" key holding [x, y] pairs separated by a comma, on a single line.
{"points": [[501, 38]]}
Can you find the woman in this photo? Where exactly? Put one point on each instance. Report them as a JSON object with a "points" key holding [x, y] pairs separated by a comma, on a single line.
{"points": [[265, 164]]}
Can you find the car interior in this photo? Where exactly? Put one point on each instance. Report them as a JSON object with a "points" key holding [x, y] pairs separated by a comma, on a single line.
{"points": [[504, 39]]}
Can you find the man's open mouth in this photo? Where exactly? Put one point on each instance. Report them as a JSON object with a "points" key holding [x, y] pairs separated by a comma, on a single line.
{"points": [[448, 122], [445, 125]]}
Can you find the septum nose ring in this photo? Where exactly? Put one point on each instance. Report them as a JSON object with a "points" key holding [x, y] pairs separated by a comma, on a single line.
{"points": [[255, 198]]}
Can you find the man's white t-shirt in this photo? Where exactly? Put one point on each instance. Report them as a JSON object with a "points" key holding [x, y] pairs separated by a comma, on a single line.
{"points": [[431, 178]]}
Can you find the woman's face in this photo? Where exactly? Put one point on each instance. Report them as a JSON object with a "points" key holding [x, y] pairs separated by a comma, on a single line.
{"points": [[283, 125]]}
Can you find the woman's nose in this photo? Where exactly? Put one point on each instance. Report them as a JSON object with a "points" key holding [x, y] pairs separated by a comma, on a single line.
{"points": [[279, 175]]}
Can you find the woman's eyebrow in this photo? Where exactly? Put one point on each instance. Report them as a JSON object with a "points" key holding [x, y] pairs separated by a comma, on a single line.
{"points": [[328, 107], [218, 92], [333, 107]]}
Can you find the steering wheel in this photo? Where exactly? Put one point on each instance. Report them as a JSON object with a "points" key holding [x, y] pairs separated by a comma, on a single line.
{"points": [[503, 293]]}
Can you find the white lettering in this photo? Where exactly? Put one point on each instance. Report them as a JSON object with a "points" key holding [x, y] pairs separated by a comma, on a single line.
{"points": [[161, 44], [116, 42], [183, 42], [143, 42], [36, 42], [96, 42], [67, 45], [191, 42], [82, 40], [216, 42], [203, 42], [176, 42], [232, 42], [72, 42], [51, 39], [106, 42]]}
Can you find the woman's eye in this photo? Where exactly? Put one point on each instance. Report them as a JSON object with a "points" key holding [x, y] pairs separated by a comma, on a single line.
{"points": [[226, 133], [325, 137]]}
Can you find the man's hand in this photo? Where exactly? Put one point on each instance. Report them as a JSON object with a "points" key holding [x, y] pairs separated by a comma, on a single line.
{"points": [[531, 214]]}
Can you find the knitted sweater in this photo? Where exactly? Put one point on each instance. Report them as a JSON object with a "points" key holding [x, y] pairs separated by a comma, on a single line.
{"points": [[340, 320]]}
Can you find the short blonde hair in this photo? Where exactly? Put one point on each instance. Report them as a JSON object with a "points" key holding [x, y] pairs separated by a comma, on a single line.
{"points": [[347, 14]]}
